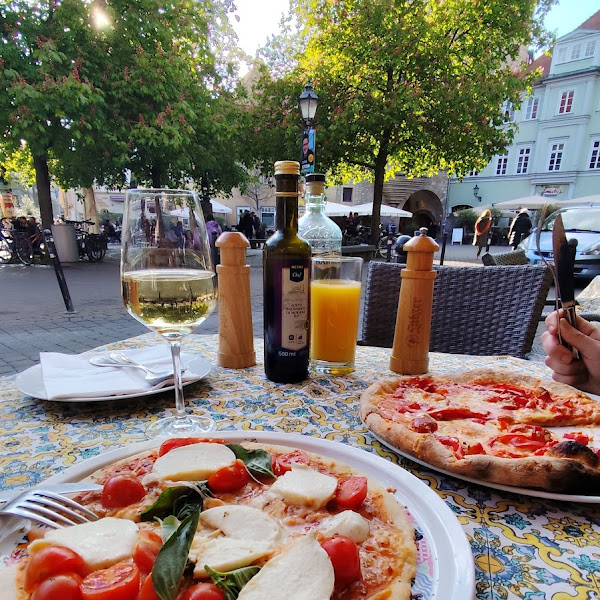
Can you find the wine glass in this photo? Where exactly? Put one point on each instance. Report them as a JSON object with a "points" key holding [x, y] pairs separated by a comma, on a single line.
{"points": [[168, 281]]}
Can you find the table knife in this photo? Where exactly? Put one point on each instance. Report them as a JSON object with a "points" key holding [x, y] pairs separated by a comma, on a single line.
{"points": [[564, 261], [58, 488]]}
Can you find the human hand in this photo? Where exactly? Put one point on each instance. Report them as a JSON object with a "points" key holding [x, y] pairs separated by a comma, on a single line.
{"points": [[583, 373]]}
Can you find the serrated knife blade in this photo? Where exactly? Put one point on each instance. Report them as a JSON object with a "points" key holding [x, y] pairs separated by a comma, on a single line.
{"points": [[564, 261]]}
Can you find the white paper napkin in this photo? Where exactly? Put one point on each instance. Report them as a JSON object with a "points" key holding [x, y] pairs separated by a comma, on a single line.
{"points": [[73, 376]]}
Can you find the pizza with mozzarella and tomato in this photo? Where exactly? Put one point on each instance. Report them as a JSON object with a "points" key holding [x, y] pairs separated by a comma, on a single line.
{"points": [[491, 426], [205, 519]]}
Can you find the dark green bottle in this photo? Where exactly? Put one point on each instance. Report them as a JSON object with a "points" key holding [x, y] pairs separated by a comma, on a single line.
{"points": [[286, 285]]}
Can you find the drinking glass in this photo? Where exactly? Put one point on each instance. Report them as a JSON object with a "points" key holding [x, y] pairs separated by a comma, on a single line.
{"points": [[334, 307], [168, 281]]}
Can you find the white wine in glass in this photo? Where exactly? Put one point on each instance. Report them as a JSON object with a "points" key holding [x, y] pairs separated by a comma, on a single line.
{"points": [[168, 281]]}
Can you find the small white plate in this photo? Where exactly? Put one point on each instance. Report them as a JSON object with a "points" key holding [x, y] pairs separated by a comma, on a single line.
{"points": [[445, 567], [30, 383]]}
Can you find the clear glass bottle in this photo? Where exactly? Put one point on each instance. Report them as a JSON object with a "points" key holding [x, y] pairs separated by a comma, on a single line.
{"points": [[286, 285], [321, 232]]}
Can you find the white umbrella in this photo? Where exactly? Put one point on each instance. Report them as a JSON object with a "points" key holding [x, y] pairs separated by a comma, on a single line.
{"points": [[583, 201], [217, 207], [386, 210], [531, 202], [334, 209]]}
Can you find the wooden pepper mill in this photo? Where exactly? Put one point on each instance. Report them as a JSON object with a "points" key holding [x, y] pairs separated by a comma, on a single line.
{"points": [[236, 342], [410, 352]]}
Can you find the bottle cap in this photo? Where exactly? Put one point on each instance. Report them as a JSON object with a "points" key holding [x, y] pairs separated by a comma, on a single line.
{"points": [[315, 177], [287, 167]]}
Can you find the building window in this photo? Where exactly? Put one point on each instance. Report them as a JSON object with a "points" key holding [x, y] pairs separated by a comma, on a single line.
{"points": [[561, 56], [523, 160], [566, 102], [575, 51], [347, 194], [501, 165], [509, 112], [595, 157], [531, 109], [240, 210], [473, 173], [590, 48], [267, 216], [556, 153]]}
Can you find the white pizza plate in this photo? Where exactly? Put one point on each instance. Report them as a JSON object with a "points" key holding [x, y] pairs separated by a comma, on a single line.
{"points": [[499, 486], [30, 383], [445, 568]]}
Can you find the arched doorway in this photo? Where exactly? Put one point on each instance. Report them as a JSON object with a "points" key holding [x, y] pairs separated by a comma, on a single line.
{"points": [[427, 211]]}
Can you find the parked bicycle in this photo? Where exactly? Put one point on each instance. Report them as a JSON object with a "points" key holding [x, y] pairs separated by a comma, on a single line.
{"points": [[16, 246], [92, 245]]}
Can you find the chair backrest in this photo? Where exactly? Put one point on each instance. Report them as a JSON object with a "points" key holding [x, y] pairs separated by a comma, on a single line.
{"points": [[516, 257], [476, 310]]}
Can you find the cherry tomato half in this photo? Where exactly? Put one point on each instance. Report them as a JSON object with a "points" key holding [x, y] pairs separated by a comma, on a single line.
{"points": [[51, 560], [66, 586], [230, 478], [119, 582], [122, 490], [283, 463], [204, 591], [351, 492], [169, 445], [147, 590], [147, 548], [345, 559]]}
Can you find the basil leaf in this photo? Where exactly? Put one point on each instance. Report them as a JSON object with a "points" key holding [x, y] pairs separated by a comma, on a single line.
{"points": [[168, 527], [258, 462], [172, 559], [180, 501], [231, 582]]}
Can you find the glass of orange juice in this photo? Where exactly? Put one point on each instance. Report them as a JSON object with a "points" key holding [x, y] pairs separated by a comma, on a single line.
{"points": [[334, 306]]}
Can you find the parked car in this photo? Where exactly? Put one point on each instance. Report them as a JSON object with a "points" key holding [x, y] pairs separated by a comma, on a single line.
{"points": [[581, 223]]}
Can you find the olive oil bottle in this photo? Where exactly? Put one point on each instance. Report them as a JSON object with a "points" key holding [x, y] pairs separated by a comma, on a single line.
{"points": [[286, 285]]}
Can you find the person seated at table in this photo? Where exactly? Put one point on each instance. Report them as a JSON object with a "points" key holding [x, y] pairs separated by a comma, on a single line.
{"points": [[36, 237], [583, 373]]}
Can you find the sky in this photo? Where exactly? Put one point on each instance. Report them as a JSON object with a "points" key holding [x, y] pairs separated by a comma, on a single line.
{"points": [[256, 24]]}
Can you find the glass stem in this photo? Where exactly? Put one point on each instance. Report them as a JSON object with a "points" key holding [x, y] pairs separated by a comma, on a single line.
{"points": [[177, 380]]}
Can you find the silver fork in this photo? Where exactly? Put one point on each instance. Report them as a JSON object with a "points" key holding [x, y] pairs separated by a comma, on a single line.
{"points": [[48, 508]]}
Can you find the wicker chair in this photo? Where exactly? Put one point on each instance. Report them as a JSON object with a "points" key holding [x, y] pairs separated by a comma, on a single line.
{"points": [[479, 311], [517, 257]]}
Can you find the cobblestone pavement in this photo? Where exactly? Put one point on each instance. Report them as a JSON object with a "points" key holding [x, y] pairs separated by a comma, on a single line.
{"points": [[33, 318]]}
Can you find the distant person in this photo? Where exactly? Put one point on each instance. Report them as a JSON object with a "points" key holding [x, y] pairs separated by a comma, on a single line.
{"points": [[36, 237], [212, 227], [483, 225], [245, 225], [584, 373], [519, 228], [178, 237]]}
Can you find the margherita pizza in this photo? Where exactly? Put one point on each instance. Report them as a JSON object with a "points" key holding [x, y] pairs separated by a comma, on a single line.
{"points": [[210, 520], [492, 427]]}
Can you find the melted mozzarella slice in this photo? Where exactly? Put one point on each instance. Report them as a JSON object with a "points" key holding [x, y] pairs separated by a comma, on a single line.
{"points": [[302, 572], [305, 486], [195, 462], [8, 582], [348, 523], [100, 543], [224, 554], [243, 523]]}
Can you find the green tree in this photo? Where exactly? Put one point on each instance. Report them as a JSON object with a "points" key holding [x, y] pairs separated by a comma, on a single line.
{"points": [[410, 86]]}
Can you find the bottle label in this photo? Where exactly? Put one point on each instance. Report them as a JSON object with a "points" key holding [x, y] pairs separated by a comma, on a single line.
{"points": [[292, 278]]}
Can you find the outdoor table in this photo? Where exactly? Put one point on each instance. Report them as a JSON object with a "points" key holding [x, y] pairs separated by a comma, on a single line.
{"points": [[523, 547]]}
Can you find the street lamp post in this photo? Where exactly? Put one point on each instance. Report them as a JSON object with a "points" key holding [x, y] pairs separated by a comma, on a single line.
{"points": [[308, 101]]}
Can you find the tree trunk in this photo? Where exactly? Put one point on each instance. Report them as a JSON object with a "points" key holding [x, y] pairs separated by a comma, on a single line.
{"points": [[89, 209], [155, 172], [42, 181], [380, 163]]}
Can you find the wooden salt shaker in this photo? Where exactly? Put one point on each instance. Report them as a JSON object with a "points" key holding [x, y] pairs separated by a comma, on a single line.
{"points": [[410, 352], [236, 342]]}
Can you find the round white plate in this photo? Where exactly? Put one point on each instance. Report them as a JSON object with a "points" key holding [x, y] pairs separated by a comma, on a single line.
{"points": [[445, 568], [499, 486], [30, 383]]}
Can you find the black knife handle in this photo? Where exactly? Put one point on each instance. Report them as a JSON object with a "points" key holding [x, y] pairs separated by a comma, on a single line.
{"points": [[571, 317]]}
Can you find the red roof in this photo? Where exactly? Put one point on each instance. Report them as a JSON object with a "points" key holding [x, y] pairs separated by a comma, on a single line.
{"points": [[592, 23], [543, 62]]}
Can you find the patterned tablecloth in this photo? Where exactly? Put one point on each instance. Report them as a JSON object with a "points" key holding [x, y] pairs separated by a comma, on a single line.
{"points": [[523, 547]]}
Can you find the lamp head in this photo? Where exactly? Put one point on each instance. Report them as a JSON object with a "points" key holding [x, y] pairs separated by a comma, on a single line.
{"points": [[308, 101]]}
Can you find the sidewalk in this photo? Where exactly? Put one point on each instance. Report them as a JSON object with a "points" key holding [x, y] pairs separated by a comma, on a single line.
{"points": [[33, 317]]}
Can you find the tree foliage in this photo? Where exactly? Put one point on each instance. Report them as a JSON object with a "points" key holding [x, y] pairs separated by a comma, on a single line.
{"points": [[409, 86]]}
